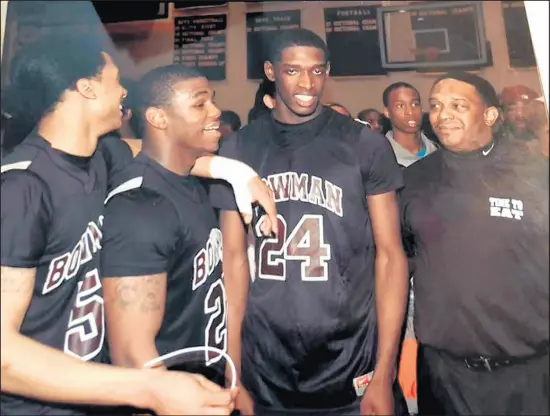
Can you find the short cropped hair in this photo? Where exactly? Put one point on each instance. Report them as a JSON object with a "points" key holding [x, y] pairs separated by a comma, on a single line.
{"points": [[155, 89], [43, 71], [231, 118], [295, 37], [484, 88], [393, 87], [362, 115]]}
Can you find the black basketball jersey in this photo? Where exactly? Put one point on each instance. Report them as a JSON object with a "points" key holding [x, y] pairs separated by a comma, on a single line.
{"points": [[310, 324], [172, 229], [52, 206]]}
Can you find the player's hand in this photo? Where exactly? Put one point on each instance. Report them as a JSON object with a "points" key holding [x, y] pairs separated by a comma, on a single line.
{"points": [[262, 194], [179, 393], [244, 403], [378, 398]]}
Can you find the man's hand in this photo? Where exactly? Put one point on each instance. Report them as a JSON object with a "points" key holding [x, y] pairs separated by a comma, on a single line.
{"points": [[244, 403], [179, 393], [258, 192], [378, 398]]}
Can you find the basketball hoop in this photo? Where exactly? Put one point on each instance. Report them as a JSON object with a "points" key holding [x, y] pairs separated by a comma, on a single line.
{"points": [[430, 54]]}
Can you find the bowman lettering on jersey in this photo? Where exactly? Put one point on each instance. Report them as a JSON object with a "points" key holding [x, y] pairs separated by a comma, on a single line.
{"points": [[67, 265], [52, 207], [320, 266], [293, 186], [207, 259], [172, 230]]}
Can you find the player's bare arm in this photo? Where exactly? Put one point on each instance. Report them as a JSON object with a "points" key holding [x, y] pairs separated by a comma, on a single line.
{"points": [[236, 280], [75, 381], [391, 291], [391, 279], [24, 359], [134, 312], [247, 185]]}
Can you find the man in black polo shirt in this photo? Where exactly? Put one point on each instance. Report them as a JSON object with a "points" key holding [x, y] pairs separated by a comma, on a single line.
{"points": [[478, 214], [316, 313]]}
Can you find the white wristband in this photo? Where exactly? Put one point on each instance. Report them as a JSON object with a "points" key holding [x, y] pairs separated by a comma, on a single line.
{"points": [[238, 174], [230, 170]]}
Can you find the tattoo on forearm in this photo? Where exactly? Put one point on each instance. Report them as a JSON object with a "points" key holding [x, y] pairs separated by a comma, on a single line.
{"points": [[16, 280], [125, 294], [151, 302], [139, 293]]}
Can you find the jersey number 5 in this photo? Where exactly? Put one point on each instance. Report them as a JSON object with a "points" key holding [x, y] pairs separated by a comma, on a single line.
{"points": [[305, 244], [86, 329]]}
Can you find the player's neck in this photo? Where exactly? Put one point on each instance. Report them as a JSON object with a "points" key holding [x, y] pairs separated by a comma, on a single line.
{"points": [[412, 142], [284, 115], [176, 160], [69, 132]]}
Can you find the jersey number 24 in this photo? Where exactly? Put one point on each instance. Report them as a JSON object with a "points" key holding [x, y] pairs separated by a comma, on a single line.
{"points": [[305, 243]]}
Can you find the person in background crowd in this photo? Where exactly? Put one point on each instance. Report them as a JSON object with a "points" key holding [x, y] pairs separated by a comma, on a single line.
{"points": [[386, 124], [325, 311], [373, 117], [127, 130], [263, 101], [403, 108], [538, 120], [230, 122], [514, 101], [339, 108], [427, 129], [477, 213]]}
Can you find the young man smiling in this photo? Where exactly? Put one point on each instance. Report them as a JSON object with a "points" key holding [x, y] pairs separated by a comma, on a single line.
{"points": [[318, 310], [403, 108]]}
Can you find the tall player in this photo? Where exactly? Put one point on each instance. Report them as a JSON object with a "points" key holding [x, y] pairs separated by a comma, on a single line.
{"points": [[162, 264], [53, 188], [326, 308]]}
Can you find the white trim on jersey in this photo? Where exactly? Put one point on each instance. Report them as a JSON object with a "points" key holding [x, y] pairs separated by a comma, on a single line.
{"points": [[133, 183], [17, 165]]}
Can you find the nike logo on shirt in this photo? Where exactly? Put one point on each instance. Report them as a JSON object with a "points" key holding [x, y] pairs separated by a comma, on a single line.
{"points": [[486, 152]]}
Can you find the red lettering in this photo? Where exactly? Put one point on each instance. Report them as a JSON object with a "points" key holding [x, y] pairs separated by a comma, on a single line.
{"points": [[199, 275], [56, 273]]}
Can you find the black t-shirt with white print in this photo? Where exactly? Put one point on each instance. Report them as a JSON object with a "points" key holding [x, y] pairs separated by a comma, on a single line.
{"points": [[479, 223]]}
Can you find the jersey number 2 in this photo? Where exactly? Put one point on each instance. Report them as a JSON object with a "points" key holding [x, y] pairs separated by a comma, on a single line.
{"points": [[86, 329], [215, 332], [305, 243]]}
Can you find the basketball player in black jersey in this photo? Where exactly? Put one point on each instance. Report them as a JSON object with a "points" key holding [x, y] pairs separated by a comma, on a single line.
{"points": [[53, 188], [318, 310], [161, 265]]}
